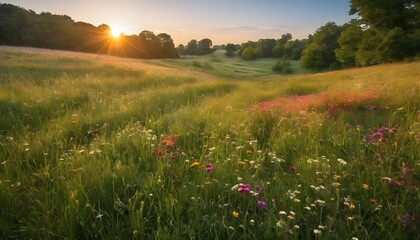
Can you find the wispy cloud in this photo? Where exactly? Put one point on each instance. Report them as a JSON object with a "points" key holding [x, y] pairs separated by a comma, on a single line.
{"points": [[234, 28], [257, 32]]}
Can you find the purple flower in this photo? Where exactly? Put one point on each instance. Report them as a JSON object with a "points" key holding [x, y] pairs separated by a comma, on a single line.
{"points": [[407, 218], [261, 204], [209, 167], [243, 187], [258, 188], [382, 130]]}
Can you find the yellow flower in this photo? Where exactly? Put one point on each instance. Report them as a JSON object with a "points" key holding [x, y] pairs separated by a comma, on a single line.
{"points": [[336, 184], [195, 164], [242, 163], [249, 152], [365, 186], [235, 214]]}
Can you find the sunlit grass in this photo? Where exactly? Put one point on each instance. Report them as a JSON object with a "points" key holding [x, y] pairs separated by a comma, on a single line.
{"points": [[102, 147]]}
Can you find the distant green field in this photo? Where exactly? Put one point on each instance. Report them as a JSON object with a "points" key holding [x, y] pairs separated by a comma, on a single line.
{"points": [[232, 67], [99, 147]]}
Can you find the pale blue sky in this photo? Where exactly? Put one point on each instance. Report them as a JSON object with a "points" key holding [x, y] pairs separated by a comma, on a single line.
{"points": [[222, 21]]}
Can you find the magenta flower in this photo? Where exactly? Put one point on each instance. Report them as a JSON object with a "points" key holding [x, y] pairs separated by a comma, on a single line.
{"points": [[382, 130], [243, 187], [209, 167], [261, 204], [382, 134]]}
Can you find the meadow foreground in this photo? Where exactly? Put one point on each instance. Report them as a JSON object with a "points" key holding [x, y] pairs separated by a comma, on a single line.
{"points": [[110, 148]]}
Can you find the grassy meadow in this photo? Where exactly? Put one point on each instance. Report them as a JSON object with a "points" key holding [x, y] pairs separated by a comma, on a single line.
{"points": [[207, 148], [217, 63]]}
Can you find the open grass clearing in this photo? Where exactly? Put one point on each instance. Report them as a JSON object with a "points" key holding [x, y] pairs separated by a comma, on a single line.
{"points": [[122, 148]]}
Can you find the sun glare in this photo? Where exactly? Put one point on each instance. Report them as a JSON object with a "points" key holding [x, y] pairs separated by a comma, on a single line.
{"points": [[116, 31]]}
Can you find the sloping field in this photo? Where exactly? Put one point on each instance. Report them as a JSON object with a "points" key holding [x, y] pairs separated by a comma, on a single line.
{"points": [[235, 67], [102, 147]]}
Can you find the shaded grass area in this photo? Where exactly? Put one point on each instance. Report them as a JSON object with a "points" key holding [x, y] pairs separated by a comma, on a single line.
{"points": [[17, 115], [133, 150]]}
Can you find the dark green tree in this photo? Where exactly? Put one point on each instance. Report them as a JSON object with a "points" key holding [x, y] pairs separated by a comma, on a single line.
{"points": [[320, 53], [294, 49], [279, 48], [387, 14], [230, 49], [391, 32], [167, 47], [266, 47], [192, 47], [246, 45], [367, 52], [150, 43], [250, 53], [181, 49], [349, 41], [283, 66], [204, 46]]}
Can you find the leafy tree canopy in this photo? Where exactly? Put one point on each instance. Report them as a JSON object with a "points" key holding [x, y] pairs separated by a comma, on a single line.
{"points": [[230, 49], [385, 31], [320, 54], [387, 14]]}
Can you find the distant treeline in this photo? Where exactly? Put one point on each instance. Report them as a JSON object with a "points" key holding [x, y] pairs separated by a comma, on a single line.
{"points": [[20, 27], [202, 47], [271, 48], [266, 48], [382, 32]]}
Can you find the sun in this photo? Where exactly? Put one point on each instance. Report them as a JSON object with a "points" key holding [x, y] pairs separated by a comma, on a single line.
{"points": [[116, 31]]}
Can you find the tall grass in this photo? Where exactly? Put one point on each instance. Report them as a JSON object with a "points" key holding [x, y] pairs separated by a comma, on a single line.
{"points": [[113, 148]]}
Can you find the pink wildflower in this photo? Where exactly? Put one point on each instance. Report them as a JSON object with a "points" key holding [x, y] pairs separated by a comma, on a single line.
{"points": [[209, 167], [243, 187]]}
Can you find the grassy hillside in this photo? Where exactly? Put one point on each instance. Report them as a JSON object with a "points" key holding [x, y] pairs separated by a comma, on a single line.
{"points": [[102, 147], [231, 67]]}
